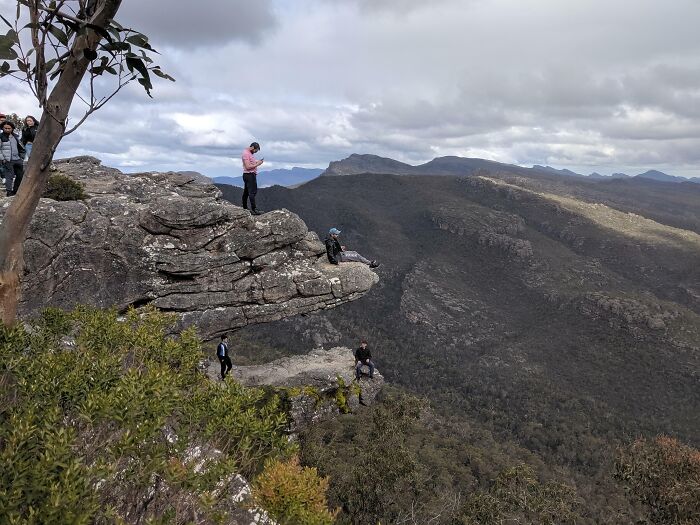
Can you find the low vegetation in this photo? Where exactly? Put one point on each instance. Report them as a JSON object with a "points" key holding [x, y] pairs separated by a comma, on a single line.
{"points": [[62, 188], [109, 419]]}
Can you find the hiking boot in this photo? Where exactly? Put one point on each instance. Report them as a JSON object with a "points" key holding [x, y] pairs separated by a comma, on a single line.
{"points": [[257, 212], [373, 264]]}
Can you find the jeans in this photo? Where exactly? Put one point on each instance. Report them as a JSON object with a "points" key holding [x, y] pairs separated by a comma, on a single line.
{"points": [[27, 150], [360, 364], [250, 189], [12, 172], [226, 365], [352, 256]]}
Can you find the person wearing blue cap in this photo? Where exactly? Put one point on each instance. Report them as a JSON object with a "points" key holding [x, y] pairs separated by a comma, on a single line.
{"points": [[337, 253]]}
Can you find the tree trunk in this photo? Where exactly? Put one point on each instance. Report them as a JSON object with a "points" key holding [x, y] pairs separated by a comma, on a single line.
{"points": [[15, 223]]}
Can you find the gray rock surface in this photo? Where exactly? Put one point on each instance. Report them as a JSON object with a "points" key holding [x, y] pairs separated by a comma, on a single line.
{"points": [[169, 240], [319, 385]]}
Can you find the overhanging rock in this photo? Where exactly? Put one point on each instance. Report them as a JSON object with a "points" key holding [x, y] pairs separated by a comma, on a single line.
{"points": [[168, 240]]}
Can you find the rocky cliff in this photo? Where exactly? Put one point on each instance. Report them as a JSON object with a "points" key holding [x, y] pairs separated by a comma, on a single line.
{"points": [[168, 240], [317, 385]]}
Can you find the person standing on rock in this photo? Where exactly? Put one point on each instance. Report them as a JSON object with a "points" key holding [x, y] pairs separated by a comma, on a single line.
{"points": [[11, 158], [250, 176], [337, 253], [224, 359], [31, 125], [363, 357]]}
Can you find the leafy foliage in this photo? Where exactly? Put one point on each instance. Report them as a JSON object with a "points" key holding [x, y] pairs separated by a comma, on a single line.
{"points": [[57, 32], [109, 418], [62, 188], [387, 464], [517, 496], [292, 494], [665, 475]]}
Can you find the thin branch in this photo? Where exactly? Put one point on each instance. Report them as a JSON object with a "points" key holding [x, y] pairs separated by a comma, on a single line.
{"points": [[95, 108]]}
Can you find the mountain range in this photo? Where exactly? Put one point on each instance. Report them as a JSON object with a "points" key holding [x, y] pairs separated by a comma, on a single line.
{"points": [[451, 165], [281, 177]]}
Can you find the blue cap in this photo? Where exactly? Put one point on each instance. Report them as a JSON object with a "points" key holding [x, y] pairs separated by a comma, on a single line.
{"points": [[334, 231]]}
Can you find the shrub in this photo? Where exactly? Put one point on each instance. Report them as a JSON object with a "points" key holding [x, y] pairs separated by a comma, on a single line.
{"points": [[665, 475], [115, 422], [62, 188], [292, 494], [517, 496]]}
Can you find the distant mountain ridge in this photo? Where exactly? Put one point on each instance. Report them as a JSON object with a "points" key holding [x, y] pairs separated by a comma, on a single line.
{"points": [[357, 164], [281, 177]]}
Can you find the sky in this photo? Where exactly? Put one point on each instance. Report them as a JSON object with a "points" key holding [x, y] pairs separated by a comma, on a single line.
{"points": [[590, 85]]}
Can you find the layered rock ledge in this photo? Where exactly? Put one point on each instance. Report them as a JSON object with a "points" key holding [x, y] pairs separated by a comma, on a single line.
{"points": [[318, 385], [169, 240]]}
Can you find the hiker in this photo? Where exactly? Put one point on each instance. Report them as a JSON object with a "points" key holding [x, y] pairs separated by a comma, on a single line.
{"points": [[11, 155], [250, 176], [224, 359], [337, 253], [363, 357], [31, 125]]}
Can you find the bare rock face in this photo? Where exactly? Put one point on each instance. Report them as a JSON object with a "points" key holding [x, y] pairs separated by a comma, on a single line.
{"points": [[319, 385], [169, 240]]}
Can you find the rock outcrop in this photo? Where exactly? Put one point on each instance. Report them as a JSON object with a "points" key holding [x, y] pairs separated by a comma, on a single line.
{"points": [[318, 385], [169, 240]]}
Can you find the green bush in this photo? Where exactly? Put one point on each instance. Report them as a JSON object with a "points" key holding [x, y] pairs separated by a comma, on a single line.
{"points": [[663, 474], [62, 188], [292, 494], [517, 496], [104, 419]]}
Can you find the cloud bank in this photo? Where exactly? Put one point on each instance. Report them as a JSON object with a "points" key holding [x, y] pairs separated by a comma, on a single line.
{"points": [[592, 86]]}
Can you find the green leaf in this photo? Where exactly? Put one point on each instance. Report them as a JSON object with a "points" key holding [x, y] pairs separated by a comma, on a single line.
{"points": [[157, 72], [7, 53], [139, 40], [132, 62], [6, 21], [59, 34], [116, 46]]}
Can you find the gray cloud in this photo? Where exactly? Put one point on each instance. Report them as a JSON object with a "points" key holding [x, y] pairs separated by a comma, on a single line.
{"points": [[198, 24], [593, 86]]}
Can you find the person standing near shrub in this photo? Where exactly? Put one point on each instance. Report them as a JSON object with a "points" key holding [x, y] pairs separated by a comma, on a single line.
{"points": [[11, 158], [250, 176], [224, 359], [31, 125]]}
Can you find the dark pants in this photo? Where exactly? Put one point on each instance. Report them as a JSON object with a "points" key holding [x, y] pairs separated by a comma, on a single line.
{"points": [[225, 365], [13, 173], [360, 364], [250, 189]]}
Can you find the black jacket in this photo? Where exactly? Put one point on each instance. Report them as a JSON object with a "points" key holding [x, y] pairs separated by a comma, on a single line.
{"points": [[332, 249], [362, 354], [29, 134]]}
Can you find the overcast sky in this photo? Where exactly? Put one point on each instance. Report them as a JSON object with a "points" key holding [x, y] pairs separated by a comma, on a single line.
{"points": [[589, 85]]}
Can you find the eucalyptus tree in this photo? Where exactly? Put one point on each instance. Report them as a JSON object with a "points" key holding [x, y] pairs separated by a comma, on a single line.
{"points": [[61, 50]]}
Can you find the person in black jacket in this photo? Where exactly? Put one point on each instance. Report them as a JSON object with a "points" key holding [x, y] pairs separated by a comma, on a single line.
{"points": [[224, 359], [31, 125], [363, 357], [337, 253]]}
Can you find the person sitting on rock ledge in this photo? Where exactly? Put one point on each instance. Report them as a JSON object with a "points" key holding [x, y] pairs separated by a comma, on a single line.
{"points": [[363, 357], [337, 253], [224, 359]]}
